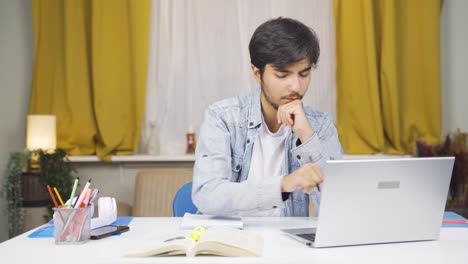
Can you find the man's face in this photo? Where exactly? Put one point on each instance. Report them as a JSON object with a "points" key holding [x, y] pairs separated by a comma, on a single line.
{"points": [[281, 86]]}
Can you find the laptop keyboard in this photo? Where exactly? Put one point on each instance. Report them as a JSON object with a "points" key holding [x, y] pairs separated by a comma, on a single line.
{"points": [[310, 237]]}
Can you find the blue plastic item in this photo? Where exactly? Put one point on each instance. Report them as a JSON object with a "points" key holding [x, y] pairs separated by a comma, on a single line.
{"points": [[183, 201]]}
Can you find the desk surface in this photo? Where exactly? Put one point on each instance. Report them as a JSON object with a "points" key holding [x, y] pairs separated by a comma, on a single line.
{"points": [[451, 248]]}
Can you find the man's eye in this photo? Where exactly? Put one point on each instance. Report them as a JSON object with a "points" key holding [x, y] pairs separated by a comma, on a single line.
{"points": [[281, 76], [304, 74]]}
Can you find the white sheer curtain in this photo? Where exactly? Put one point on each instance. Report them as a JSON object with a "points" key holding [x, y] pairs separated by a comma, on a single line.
{"points": [[199, 54]]}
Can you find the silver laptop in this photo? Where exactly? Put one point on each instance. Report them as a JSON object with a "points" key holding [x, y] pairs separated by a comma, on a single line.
{"points": [[379, 201]]}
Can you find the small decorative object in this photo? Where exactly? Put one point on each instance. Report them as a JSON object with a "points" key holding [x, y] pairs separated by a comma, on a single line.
{"points": [[454, 145], [191, 141]]}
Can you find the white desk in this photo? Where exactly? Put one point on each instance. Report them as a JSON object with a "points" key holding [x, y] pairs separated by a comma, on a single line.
{"points": [[451, 248]]}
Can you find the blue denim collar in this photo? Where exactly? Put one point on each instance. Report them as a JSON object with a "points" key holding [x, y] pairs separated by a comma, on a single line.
{"points": [[255, 118]]}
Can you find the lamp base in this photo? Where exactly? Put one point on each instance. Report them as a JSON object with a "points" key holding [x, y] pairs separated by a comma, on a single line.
{"points": [[33, 163]]}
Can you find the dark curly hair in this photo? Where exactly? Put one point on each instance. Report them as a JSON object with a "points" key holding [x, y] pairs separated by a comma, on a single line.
{"points": [[282, 42]]}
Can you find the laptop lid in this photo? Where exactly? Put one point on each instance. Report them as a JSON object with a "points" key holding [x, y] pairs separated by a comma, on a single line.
{"points": [[382, 201]]}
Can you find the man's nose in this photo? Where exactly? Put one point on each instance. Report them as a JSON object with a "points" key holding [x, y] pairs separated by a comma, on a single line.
{"points": [[295, 84]]}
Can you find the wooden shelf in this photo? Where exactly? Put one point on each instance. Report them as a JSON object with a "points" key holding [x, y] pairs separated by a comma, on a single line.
{"points": [[191, 158], [137, 158]]}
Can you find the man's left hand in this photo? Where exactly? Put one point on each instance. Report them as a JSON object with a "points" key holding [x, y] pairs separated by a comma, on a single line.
{"points": [[292, 115]]}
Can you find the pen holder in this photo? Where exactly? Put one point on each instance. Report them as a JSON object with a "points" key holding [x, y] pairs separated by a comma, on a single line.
{"points": [[72, 225]]}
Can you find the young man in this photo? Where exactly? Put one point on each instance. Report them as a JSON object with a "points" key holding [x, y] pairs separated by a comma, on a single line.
{"points": [[261, 154]]}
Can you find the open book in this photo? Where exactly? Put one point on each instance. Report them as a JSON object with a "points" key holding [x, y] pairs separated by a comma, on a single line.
{"points": [[222, 241]]}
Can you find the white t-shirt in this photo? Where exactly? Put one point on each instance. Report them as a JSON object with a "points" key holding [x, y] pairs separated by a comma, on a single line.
{"points": [[268, 159]]}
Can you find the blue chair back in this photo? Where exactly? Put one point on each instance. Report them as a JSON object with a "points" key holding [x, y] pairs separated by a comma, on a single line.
{"points": [[183, 201]]}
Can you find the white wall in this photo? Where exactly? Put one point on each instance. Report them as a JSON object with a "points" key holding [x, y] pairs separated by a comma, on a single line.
{"points": [[16, 56], [454, 59]]}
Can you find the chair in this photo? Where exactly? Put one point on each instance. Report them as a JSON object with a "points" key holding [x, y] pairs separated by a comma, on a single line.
{"points": [[155, 190], [183, 201]]}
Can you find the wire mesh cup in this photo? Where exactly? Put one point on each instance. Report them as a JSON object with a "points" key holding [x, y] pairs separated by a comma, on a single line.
{"points": [[72, 225]]}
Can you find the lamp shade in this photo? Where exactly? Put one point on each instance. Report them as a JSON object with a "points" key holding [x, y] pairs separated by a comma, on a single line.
{"points": [[41, 132]]}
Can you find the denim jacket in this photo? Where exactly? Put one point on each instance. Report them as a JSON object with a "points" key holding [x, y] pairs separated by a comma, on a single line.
{"points": [[224, 152]]}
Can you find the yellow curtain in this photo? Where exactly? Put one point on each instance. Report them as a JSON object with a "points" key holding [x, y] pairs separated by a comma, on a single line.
{"points": [[90, 71], [388, 74]]}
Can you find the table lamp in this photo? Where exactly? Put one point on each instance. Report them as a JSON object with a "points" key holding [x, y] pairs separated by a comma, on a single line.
{"points": [[41, 134]]}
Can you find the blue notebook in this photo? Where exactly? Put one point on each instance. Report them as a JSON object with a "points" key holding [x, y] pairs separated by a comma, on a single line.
{"points": [[453, 216], [47, 230]]}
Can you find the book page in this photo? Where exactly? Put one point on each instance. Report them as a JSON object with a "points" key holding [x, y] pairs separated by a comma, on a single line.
{"points": [[228, 241], [165, 245]]}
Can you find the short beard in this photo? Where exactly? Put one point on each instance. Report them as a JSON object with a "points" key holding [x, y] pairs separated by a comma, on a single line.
{"points": [[275, 106]]}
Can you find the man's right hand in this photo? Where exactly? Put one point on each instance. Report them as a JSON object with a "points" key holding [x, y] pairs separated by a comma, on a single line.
{"points": [[305, 178]]}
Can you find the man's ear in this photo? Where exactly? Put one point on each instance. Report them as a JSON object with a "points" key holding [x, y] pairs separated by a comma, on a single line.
{"points": [[256, 73]]}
